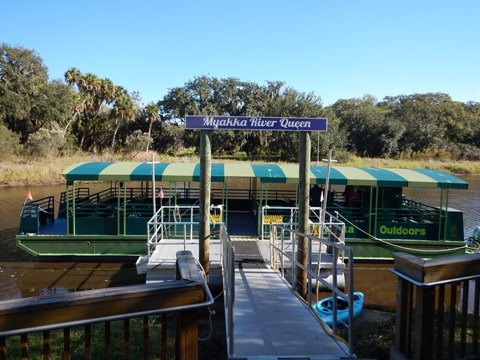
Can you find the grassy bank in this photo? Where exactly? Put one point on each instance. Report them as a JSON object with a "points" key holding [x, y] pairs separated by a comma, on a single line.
{"points": [[43, 171]]}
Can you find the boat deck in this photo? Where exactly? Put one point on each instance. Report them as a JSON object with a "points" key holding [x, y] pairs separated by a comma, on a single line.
{"points": [[59, 227]]}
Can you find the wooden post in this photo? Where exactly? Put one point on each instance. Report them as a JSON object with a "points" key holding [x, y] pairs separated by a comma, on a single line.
{"points": [[403, 317], [187, 334], [205, 185], [303, 209], [424, 316]]}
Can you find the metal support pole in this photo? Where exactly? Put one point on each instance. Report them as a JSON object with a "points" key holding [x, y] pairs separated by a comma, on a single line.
{"points": [[205, 187], [303, 209]]}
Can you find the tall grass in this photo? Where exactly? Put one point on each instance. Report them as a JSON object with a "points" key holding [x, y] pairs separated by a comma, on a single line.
{"points": [[44, 171]]}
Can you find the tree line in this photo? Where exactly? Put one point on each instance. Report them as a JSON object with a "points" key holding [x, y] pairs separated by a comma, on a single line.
{"points": [[82, 111]]}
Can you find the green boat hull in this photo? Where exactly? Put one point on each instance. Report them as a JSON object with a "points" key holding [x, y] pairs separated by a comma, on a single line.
{"points": [[83, 245], [135, 245]]}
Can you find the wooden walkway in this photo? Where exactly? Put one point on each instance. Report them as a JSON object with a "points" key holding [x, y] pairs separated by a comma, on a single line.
{"points": [[272, 323]]}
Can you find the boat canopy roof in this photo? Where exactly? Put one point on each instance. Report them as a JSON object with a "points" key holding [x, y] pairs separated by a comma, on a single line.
{"points": [[266, 173]]}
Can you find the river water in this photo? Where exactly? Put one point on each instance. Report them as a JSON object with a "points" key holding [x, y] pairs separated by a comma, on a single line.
{"points": [[21, 275]]}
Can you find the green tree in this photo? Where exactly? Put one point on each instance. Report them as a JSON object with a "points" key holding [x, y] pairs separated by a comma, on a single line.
{"points": [[91, 107], [151, 113], [370, 132], [28, 101], [422, 118], [123, 111]]}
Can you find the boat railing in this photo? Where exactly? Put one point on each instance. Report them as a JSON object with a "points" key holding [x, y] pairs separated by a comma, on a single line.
{"points": [[417, 215], [285, 215], [439, 297], [79, 193], [96, 210], [177, 222], [228, 274], [412, 204], [36, 213], [108, 323], [284, 247]]}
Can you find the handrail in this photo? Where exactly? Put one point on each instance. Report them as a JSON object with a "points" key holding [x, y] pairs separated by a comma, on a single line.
{"points": [[183, 296], [283, 246], [428, 301], [160, 227], [269, 215], [228, 274]]}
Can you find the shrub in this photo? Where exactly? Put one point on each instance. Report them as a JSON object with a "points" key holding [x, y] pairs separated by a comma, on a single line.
{"points": [[9, 142], [45, 143], [136, 142]]}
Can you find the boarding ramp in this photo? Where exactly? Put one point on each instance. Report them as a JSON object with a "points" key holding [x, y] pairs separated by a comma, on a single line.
{"points": [[322, 260], [175, 228], [265, 318]]}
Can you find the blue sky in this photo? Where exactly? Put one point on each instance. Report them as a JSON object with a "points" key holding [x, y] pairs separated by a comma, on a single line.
{"points": [[335, 49]]}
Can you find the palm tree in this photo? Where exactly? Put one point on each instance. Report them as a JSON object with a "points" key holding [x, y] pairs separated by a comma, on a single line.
{"points": [[151, 113], [123, 110]]}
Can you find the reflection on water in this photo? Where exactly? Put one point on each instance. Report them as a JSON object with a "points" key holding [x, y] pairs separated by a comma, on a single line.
{"points": [[22, 276]]}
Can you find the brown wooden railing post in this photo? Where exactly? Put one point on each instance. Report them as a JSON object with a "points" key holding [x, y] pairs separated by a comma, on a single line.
{"points": [[422, 327], [108, 342], [88, 342], [187, 336], [403, 316], [164, 337], [3, 348], [145, 338], [24, 346], [424, 316]]}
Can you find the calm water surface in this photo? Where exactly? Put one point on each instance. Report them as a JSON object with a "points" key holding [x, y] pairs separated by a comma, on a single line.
{"points": [[22, 276]]}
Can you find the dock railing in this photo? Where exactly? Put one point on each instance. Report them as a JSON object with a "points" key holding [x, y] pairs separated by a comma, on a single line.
{"points": [[284, 247], [437, 307], [228, 274], [100, 323]]}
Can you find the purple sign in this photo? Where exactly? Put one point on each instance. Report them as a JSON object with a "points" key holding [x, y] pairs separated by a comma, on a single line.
{"points": [[255, 123]]}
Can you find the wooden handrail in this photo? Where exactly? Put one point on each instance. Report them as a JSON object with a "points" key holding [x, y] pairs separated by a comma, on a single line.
{"points": [[183, 296], [429, 316], [439, 269]]}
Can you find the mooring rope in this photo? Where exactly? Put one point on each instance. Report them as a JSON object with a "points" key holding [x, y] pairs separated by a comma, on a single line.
{"points": [[400, 246]]}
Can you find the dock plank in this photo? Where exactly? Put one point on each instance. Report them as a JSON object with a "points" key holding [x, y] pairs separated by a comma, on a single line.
{"points": [[270, 321]]}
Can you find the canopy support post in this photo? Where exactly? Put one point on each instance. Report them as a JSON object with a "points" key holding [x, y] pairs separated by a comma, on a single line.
{"points": [[205, 188], [303, 210]]}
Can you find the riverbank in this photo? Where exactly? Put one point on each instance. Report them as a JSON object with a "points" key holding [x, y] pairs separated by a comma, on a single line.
{"points": [[48, 171]]}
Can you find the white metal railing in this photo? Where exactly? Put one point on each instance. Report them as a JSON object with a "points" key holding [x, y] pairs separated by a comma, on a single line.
{"points": [[284, 248], [287, 216], [228, 274], [177, 222]]}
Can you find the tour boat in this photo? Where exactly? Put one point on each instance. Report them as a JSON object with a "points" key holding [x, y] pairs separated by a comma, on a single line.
{"points": [[366, 205]]}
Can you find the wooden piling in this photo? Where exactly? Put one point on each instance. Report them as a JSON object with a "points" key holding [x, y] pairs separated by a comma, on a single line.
{"points": [[303, 209], [205, 186]]}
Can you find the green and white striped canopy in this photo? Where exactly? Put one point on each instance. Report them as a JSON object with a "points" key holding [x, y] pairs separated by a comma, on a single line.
{"points": [[266, 173]]}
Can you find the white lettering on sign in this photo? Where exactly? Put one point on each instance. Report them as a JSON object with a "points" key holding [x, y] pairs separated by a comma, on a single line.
{"points": [[230, 122], [262, 122], [287, 123]]}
